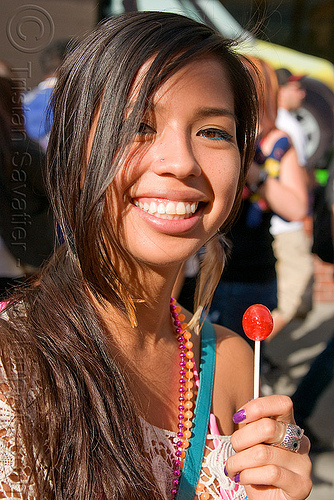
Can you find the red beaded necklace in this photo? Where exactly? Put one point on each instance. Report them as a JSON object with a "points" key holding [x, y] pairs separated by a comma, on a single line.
{"points": [[186, 394]]}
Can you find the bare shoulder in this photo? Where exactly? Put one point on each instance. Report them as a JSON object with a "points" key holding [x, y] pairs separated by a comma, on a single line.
{"points": [[233, 381], [233, 352], [233, 384]]}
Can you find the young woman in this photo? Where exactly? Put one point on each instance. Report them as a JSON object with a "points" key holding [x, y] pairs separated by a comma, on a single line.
{"points": [[154, 122]]}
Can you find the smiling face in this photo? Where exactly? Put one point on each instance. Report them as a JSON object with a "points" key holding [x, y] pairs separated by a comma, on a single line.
{"points": [[178, 183]]}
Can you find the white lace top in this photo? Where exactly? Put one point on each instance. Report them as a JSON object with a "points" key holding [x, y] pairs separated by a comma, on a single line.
{"points": [[159, 445]]}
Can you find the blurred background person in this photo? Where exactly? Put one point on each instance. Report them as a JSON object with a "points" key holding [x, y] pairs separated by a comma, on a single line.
{"points": [[321, 371], [290, 97], [292, 247], [38, 118], [26, 224]]}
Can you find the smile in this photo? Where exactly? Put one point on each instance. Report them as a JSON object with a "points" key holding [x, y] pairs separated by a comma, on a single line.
{"points": [[166, 209]]}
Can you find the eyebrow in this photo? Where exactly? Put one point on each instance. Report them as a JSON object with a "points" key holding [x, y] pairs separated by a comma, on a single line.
{"points": [[203, 112], [207, 111]]}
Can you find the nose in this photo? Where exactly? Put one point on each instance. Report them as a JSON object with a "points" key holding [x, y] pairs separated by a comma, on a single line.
{"points": [[176, 157]]}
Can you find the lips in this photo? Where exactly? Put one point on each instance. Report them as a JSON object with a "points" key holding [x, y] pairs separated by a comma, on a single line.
{"points": [[167, 209]]}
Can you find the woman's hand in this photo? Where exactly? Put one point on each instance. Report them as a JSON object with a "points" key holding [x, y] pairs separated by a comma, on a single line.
{"points": [[267, 471]]}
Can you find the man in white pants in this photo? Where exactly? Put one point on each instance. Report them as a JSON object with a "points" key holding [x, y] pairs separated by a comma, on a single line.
{"points": [[291, 246]]}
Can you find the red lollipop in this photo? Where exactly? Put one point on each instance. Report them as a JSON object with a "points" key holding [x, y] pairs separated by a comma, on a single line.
{"points": [[258, 324]]}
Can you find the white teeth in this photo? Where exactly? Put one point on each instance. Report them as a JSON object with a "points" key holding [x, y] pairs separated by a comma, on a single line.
{"points": [[171, 210], [180, 208], [171, 217], [161, 208], [153, 207]]}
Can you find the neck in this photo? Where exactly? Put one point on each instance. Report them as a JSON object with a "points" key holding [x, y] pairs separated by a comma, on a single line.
{"points": [[283, 106], [152, 303], [149, 352]]}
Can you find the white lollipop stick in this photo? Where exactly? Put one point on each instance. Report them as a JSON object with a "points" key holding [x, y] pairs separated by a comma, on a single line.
{"points": [[257, 368]]}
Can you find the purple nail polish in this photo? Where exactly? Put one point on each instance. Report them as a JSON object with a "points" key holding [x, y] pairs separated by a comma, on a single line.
{"points": [[239, 416], [225, 471], [236, 478]]}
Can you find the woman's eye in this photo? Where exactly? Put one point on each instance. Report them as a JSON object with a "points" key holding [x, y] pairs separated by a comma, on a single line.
{"points": [[215, 134], [145, 128]]}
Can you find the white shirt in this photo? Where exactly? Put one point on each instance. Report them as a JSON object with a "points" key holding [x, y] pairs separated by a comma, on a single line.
{"points": [[290, 125]]}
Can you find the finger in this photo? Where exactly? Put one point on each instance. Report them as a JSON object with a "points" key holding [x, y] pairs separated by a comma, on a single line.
{"points": [[266, 430], [263, 454], [271, 477], [277, 406], [271, 466]]}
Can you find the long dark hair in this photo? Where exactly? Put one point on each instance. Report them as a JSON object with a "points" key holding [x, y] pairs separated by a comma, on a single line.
{"points": [[77, 417]]}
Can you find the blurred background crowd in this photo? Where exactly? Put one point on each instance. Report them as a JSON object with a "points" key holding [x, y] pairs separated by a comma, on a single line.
{"points": [[281, 246]]}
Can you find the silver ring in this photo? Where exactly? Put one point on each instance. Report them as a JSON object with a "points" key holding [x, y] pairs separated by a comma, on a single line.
{"points": [[292, 438]]}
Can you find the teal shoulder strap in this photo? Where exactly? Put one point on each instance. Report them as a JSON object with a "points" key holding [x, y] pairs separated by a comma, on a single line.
{"points": [[194, 457]]}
